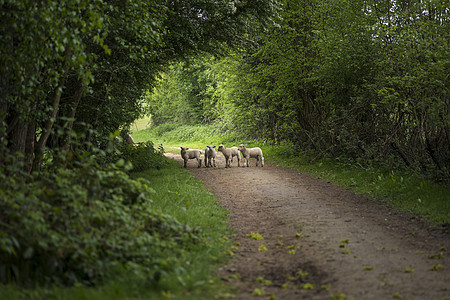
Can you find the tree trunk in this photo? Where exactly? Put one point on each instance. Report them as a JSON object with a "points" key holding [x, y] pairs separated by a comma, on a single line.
{"points": [[18, 136], [77, 98], [29, 146], [39, 149], [3, 112], [30, 141]]}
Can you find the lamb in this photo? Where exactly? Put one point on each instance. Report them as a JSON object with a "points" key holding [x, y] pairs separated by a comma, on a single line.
{"points": [[191, 154], [229, 154], [235, 152], [210, 155], [251, 153]]}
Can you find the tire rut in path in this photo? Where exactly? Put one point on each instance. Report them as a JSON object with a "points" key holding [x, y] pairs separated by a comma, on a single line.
{"points": [[349, 244]]}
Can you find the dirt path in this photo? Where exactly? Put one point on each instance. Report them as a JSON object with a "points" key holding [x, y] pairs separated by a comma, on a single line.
{"points": [[321, 240]]}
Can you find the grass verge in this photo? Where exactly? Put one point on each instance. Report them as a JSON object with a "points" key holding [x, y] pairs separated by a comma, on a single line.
{"points": [[409, 192], [179, 194]]}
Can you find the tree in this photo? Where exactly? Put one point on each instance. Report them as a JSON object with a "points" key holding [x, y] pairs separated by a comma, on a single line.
{"points": [[92, 61]]}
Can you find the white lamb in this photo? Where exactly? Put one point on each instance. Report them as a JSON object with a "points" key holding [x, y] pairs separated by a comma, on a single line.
{"points": [[251, 153], [235, 152], [191, 154], [229, 154], [210, 155]]}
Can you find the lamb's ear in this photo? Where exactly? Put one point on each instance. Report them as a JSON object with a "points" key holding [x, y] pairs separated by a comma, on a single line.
{"points": [[214, 146], [186, 148]]}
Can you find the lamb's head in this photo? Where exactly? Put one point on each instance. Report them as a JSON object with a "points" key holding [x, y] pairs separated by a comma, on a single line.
{"points": [[221, 148], [241, 147], [183, 150]]}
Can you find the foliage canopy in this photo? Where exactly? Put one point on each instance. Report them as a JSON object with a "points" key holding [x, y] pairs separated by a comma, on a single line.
{"points": [[363, 80]]}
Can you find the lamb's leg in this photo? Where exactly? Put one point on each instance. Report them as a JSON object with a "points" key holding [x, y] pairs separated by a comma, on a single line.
{"points": [[239, 160], [199, 160], [214, 162], [185, 162]]}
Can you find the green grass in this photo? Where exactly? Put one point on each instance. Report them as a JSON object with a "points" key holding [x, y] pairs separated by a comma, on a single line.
{"points": [[141, 124], [179, 194], [182, 196], [409, 192], [176, 135]]}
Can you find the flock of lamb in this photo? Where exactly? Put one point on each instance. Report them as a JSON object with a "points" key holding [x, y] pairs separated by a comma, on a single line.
{"points": [[228, 153]]}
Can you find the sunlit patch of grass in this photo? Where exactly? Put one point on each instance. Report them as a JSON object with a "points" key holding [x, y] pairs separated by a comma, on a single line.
{"points": [[436, 267], [259, 292], [141, 124], [176, 135], [302, 273], [255, 236], [262, 247], [340, 296], [439, 255], [307, 286], [263, 281]]}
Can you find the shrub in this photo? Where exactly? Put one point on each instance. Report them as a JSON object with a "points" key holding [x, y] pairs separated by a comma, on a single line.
{"points": [[142, 156], [82, 224]]}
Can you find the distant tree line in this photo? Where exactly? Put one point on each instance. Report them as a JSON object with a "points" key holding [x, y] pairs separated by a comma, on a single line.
{"points": [[365, 80]]}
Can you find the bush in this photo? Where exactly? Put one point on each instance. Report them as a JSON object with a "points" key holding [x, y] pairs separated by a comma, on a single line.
{"points": [[142, 156], [82, 224]]}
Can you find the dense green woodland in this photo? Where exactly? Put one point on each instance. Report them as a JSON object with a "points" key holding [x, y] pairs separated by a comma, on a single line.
{"points": [[366, 81]]}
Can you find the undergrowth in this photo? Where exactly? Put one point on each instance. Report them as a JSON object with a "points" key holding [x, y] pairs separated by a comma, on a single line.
{"points": [[98, 229]]}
